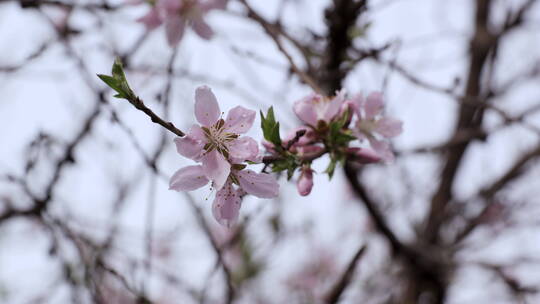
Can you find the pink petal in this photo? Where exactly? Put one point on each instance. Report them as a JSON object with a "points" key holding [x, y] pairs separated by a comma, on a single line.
{"points": [[216, 168], [152, 19], [364, 155], [305, 109], [202, 28], [305, 182], [267, 145], [373, 105], [187, 179], [259, 184], [242, 149], [356, 103], [239, 120], [174, 28], [227, 205], [213, 4], [191, 145], [359, 134], [305, 139], [382, 148], [334, 105], [171, 7], [308, 150], [207, 109], [389, 127]]}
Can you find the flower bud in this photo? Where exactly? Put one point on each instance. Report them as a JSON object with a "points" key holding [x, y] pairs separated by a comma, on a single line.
{"points": [[305, 182], [364, 155]]}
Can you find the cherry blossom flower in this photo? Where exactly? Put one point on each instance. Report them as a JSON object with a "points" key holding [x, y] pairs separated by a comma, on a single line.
{"points": [[216, 143], [228, 199], [305, 182], [373, 125], [178, 14], [314, 108]]}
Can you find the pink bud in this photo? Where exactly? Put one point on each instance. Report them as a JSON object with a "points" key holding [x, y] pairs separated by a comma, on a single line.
{"points": [[268, 145], [364, 155], [305, 182]]}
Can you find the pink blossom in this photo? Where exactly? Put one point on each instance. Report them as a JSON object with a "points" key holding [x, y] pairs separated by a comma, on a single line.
{"points": [[229, 199], [373, 125], [305, 182], [152, 19], [216, 142], [314, 108], [227, 205], [178, 14]]}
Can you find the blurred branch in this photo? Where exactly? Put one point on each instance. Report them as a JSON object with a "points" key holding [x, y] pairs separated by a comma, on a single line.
{"points": [[469, 118], [341, 17], [275, 32], [230, 290], [498, 185], [346, 277], [31, 57], [482, 43]]}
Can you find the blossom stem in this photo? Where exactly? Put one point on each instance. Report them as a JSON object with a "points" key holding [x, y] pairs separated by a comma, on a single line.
{"points": [[139, 105]]}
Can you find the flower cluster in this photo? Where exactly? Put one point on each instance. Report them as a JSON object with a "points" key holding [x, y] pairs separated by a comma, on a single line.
{"points": [[217, 145], [352, 130], [176, 15], [332, 125]]}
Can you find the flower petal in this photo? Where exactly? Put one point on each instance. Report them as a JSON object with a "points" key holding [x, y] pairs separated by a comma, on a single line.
{"points": [[152, 19], [202, 28], [242, 149], [239, 120], [389, 127], [227, 205], [191, 145], [373, 105], [305, 109], [382, 148], [356, 103], [308, 150], [259, 184], [174, 28], [305, 139], [364, 155], [213, 4], [187, 179], [216, 168], [207, 109], [334, 106], [171, 7]]}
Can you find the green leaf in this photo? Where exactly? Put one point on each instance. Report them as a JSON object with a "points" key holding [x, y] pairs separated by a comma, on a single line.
{"points": [[118, 81], [270, 128], [118, 70], [110, 81]]}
